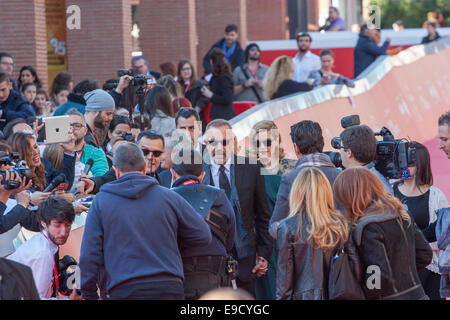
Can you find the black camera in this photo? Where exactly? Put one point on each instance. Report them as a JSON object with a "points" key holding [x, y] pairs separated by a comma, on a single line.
{"points": [[393, 156], [139, 81], [67, 275], [125, 72], [128, 136], [19, 166]]}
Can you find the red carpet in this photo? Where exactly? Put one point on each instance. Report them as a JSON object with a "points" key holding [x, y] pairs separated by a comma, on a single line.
{"points": [[440, 165]]}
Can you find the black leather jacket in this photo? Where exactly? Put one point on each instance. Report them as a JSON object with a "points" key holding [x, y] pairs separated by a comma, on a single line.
{"points": [[301, 268], [398, 253]]}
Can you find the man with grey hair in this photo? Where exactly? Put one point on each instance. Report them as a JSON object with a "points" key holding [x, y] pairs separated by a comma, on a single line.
{"points": [[133, 229], [140, 65], [244, 187]]}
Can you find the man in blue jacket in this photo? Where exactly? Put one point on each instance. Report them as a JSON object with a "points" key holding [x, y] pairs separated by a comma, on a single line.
{"points": [[366, 51], [230, 46], [12, 104], [133, 229]]}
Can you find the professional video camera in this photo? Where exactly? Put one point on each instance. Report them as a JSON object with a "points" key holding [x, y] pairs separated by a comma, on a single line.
{"points": [[393, 157], [67, 277], [139, 81], [20, 166]]}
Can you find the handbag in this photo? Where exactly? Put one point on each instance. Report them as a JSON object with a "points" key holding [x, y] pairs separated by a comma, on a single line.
{"points": [[342, 282]]}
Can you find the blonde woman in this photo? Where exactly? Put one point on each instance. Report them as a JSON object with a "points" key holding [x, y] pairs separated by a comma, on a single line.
{"points": [[265, 146], [308, 237], [390, 245], [278, 80]]}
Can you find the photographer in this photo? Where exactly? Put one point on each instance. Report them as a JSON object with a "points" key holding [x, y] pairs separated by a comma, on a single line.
{"points": [[41, 251], [359, 148], [12, 211], [41, 169]]}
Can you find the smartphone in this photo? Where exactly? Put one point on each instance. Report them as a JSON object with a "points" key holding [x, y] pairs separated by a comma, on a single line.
{"points": [[56, 129]]}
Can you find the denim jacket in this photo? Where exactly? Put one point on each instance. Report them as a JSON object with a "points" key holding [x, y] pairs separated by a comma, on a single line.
{"points": [[443, 239]]}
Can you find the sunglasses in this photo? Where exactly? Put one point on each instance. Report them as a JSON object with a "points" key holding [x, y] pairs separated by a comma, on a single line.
{"points": [[156, 153], [224, 142], [267, 143]]}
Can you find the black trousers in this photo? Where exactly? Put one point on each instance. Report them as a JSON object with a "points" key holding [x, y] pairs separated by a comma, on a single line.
{"points": [[246, 279], [148, 290], [431, 283], [202, 274]]}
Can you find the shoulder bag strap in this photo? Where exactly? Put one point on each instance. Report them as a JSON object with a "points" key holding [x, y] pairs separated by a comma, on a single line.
{"points": [[253, 88]]}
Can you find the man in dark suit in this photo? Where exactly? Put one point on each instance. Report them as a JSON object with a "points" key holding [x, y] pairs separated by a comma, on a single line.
{"points": [[244, 186], [16, 281]]}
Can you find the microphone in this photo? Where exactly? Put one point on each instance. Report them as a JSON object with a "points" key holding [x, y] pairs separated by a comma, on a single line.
{"points": [[55, 182], [88, 166]]}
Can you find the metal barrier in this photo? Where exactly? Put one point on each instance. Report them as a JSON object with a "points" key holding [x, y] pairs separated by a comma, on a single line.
{"points": [[407, 93]]}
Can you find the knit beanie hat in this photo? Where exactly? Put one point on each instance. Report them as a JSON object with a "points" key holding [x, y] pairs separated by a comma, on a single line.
{"points": [[99, 100]]}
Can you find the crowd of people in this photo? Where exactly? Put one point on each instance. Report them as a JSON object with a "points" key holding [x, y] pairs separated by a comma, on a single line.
{"points": [[177, 212]]}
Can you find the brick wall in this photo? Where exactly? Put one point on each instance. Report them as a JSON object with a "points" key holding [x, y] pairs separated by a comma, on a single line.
{"points": [[103, 44], [167, 31], [266, 19], [212, 18], [170, 31], [23, 35]]}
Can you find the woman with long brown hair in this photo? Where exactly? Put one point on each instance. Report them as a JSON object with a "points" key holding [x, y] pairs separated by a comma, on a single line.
{"points": [[41, 168], [390, 245], [308, 238], [186, 76], [159, 109]]}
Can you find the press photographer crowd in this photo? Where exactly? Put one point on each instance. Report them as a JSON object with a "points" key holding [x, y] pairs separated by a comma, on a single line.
{"points": [[176, 209]]}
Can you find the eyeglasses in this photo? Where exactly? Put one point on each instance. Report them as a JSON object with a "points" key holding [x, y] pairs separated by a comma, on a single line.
{"points": [[267, 143], [77, 126], [186, 69], [156, 153], [8, 64], [215, 142]]}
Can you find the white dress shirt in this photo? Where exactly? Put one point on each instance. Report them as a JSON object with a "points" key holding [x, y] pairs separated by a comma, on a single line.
{"points": [[216, 173], [39, 254], [302, 68]]}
